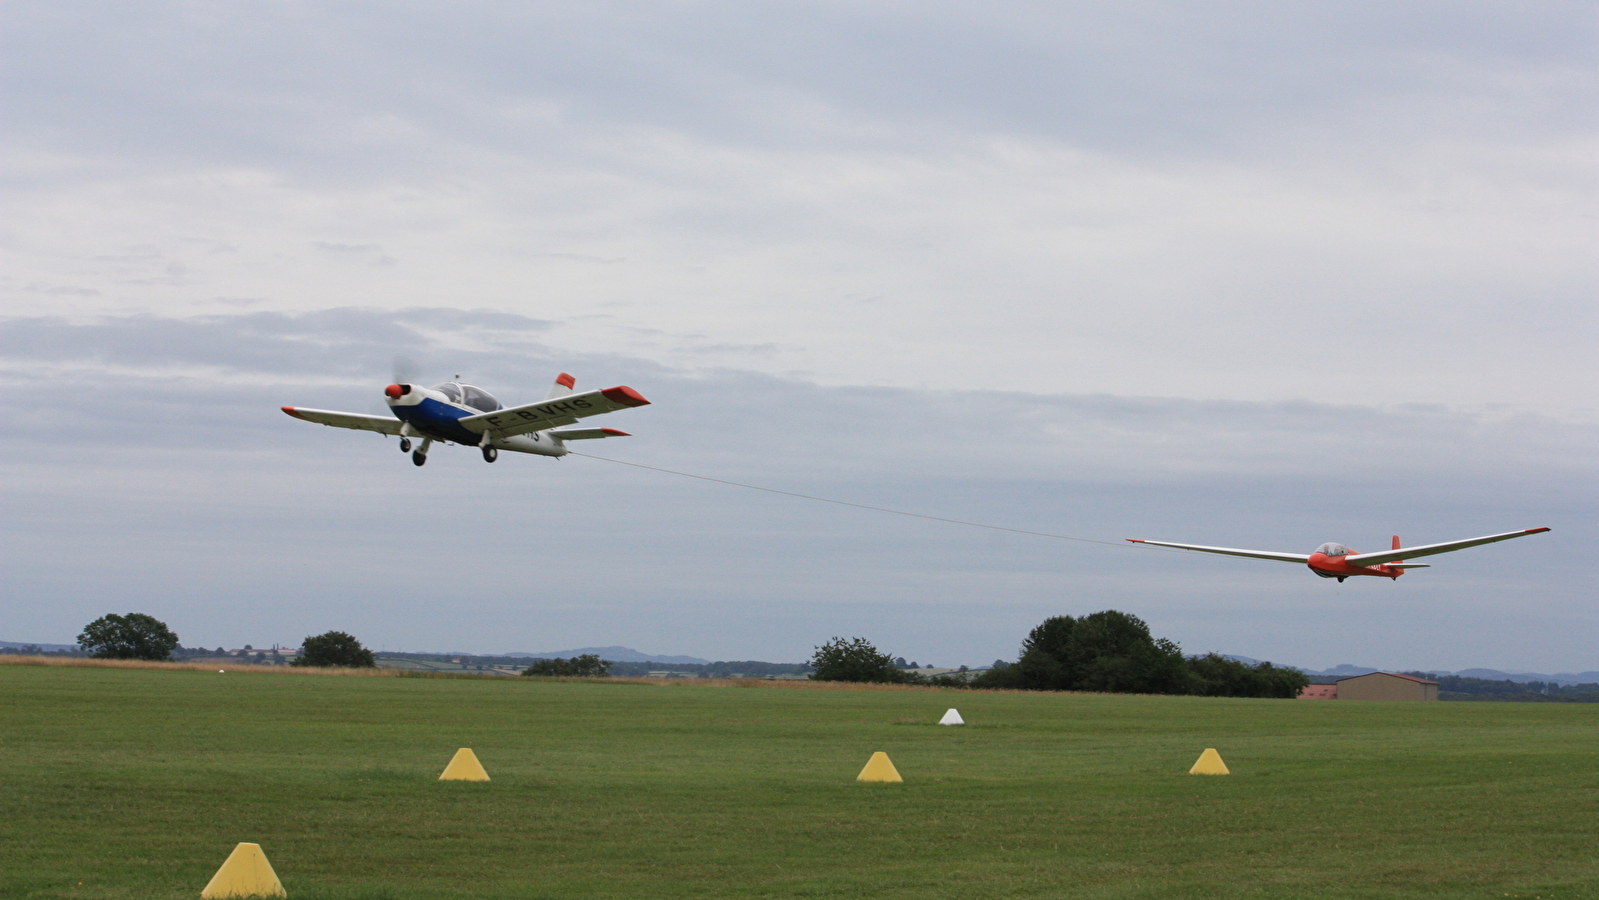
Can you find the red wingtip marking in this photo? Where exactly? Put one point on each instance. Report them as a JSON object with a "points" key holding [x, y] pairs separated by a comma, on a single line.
{"points": [[565, 380], [625, 396], [1135, 540], [1536, 530], [615, 432], [293, 412]]}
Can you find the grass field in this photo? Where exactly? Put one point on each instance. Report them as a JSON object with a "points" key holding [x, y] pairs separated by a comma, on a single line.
{"points": [[136, 783]]}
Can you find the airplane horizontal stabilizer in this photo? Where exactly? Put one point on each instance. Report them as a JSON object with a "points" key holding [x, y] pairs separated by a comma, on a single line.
{"points": [[586, 434]]}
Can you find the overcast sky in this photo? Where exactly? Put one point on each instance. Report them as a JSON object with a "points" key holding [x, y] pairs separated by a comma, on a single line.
{"points": [[1250, 274]]}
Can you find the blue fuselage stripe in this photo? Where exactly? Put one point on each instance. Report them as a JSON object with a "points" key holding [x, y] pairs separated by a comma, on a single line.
{"points": [[438, 420]]}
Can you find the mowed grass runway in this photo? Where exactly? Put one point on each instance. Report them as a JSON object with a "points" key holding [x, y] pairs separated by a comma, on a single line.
{"points": [[124, 783]]}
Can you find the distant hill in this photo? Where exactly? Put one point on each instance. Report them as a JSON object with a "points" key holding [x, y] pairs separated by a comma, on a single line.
{"points": [[1346, 670], [1524, 677], [15, 645], [615, 654]]}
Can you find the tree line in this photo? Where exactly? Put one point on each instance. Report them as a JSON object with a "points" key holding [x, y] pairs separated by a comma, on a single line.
{"points": [[1456, 687], [1107, 652], [141, 636]]}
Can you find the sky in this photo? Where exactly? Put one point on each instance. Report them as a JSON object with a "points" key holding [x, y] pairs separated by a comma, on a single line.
{"points": [[1242, 274]]}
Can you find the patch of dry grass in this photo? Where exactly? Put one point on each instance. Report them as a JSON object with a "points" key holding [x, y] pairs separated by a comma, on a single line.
{"points": [[387, 672], [239, 668]]}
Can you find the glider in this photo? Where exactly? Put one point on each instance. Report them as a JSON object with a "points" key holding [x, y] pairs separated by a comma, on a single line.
{"points": [[457, 413], [1340, 562]]}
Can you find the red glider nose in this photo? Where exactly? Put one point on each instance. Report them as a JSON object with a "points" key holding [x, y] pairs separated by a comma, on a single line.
{"points": [[394, 391]]}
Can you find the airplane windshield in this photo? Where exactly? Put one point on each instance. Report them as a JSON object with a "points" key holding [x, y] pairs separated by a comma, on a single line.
{"points": [[449, 389], [1333, 550], [479, 399]]}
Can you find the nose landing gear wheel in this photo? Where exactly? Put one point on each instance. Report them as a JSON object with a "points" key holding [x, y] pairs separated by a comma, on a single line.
{"points": [[405, 445], [419, 458], [490, 454]]}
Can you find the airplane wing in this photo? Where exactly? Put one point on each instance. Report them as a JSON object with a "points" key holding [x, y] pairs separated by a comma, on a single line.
{"points": [[1229, 551], [380, 424], [1387, 556], [554, 412]]}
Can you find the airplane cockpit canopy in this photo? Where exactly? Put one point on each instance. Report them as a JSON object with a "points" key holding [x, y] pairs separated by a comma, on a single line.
{"points": [[468, 395], [478, 399], [1334, 550]]}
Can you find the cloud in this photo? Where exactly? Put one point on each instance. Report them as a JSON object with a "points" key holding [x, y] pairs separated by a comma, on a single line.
{"points": [[197, 498], [1253, 273]]}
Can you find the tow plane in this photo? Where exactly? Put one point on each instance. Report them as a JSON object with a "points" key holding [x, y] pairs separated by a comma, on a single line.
{"points": [[456, 413], [1337, 561]]}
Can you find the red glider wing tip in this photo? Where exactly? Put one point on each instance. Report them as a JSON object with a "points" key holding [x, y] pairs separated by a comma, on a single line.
{"points": [[1135, 540], [622, 395], [615, 432], [1536, 530], [293, 412]]}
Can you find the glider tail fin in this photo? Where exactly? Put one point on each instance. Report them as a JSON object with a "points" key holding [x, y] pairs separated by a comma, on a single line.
{"points": [[1396, 547], [563, 385]]}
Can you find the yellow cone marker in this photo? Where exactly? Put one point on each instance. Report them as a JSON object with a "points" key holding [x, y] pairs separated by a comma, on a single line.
{"points": [[245, 874], [464, 767], [879, 768], [1209, 764]]}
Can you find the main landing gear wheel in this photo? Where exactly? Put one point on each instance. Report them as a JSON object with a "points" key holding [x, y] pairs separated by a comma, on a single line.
{"points": [[405, 445], [490, 454], [419, 458]]}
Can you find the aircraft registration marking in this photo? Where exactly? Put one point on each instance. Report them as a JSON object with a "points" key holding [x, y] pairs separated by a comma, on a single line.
{"points": [[546, 411]]}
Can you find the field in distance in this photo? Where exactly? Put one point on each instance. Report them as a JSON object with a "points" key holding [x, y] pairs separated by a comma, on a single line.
{"points": [[124, 783]]}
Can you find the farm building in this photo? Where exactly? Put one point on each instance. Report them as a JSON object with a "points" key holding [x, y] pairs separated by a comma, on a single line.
{"points": [[1318, 692], [1386, 686]]}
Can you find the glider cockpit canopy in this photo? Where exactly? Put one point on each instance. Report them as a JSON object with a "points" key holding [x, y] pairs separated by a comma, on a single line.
{"points": [[1334, 550], [468, 395]]}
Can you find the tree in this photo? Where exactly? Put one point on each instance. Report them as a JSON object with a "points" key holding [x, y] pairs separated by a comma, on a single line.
{"points": [[133, 636], [1219, 676], [854, 660], [1114, 652], [588, 665], [334, 648], [1107, 651]]}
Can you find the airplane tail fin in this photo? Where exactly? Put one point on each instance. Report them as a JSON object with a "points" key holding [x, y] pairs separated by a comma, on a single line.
{"points": [[563, 385], [1399, 563]]}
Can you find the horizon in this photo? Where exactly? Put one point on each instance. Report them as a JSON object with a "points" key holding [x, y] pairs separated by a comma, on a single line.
{"points": [[663, 659]]}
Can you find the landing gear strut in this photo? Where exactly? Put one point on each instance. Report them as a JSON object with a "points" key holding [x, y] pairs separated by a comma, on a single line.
{"points": [[405, 445], [490, 454]]}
